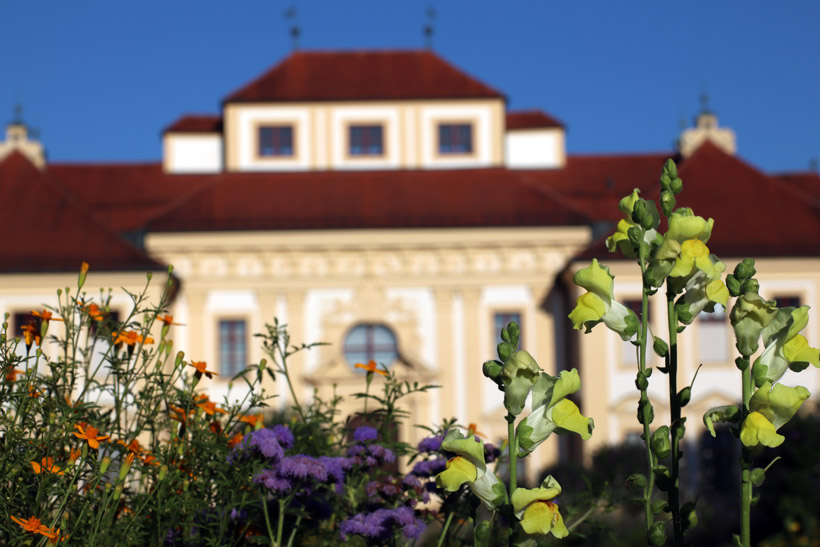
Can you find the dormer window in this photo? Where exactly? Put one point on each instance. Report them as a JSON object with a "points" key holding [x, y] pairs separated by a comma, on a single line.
{"points": [[366, 140], [275, 141], [455, 138]]}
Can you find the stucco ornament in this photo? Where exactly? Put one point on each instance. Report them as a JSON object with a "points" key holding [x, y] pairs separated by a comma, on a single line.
{"points": [[536, 511], [770, 408], [598, 304], [784, 347], [552, 412], [468, 467]]}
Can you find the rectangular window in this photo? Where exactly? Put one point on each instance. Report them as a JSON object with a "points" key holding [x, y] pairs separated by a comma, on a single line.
{"points": [[785, 301], [455, 138], [275, 141], [366, 140], [501, 320], [713, 336], [232, 347]]}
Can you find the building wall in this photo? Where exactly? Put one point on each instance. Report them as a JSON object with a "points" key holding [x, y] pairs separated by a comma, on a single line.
{"points": [[320, 134], [436, 289]]}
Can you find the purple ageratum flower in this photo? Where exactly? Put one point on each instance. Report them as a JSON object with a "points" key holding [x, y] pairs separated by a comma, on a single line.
{"points": [[411, 481], [430, 444], [428, 468], [302, 467], [284, 436], [379, 451], [355, 450], [491, 453], [365, 433], [380, 524], [270, 479], [336, 467], [265, 441]]}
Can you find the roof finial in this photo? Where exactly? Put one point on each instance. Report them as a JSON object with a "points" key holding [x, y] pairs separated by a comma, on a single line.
{"points": [[292, 14], [704, 102], [18, 114], [429, 30]]}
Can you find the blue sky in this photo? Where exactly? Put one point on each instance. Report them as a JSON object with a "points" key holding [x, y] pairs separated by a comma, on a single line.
{"points": [[100, 79]]}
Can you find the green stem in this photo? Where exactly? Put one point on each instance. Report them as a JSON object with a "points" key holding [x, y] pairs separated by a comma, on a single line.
{"points": [[267, 521], [444, 530], [675, 421], [745, 463], [281, 522], [645, 407], [513, 448]]}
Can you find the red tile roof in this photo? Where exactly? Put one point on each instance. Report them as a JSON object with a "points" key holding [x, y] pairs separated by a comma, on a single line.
{"points": [[125, 196], [370, 199], [755, 214], [362, 76], [196, 123], [531, 119], [50, 230]]}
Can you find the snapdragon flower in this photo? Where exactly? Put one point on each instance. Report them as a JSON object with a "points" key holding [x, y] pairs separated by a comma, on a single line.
{"points": [[770, 408], [468, 467], [598, 304], [552, 412], [784, 347], [536, 511]]}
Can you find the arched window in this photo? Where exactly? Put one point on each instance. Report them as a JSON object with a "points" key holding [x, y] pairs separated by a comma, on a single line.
{"points": [[369, 341]]}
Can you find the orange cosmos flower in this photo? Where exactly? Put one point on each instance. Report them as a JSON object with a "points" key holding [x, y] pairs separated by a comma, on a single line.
{"points": [[168, 319], [33, 393], [371, 367], [11, 375], [45, 315], [131, 338], [472, 429], [34, 525], [73, 455], [235, 440], [31, 333], [177, 413], [251, 420], [200, 369], [46, 467], [94, 312], [210, 408], [89, 433]]}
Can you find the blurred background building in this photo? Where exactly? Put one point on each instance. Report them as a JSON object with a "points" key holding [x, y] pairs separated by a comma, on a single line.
{"points": [[389, 204]]}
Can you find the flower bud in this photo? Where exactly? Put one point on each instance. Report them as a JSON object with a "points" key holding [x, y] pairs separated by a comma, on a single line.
{"points": [[676, 186], [758, 476], [505, 350], [659, 506], [745, 269], [689, 518], [637, 479], [641, 382], [660, 444], [660, 346], [670, 168], [657, 534], [684, 396], [733, 284], [666, 180], [668, 202], [106, 462], [163, 472], [750, 285]]}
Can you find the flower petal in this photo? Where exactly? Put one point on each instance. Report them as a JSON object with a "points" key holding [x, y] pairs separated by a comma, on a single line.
{"points": [[458, 471], [757, 430], [567, 416], [589, 309]]}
